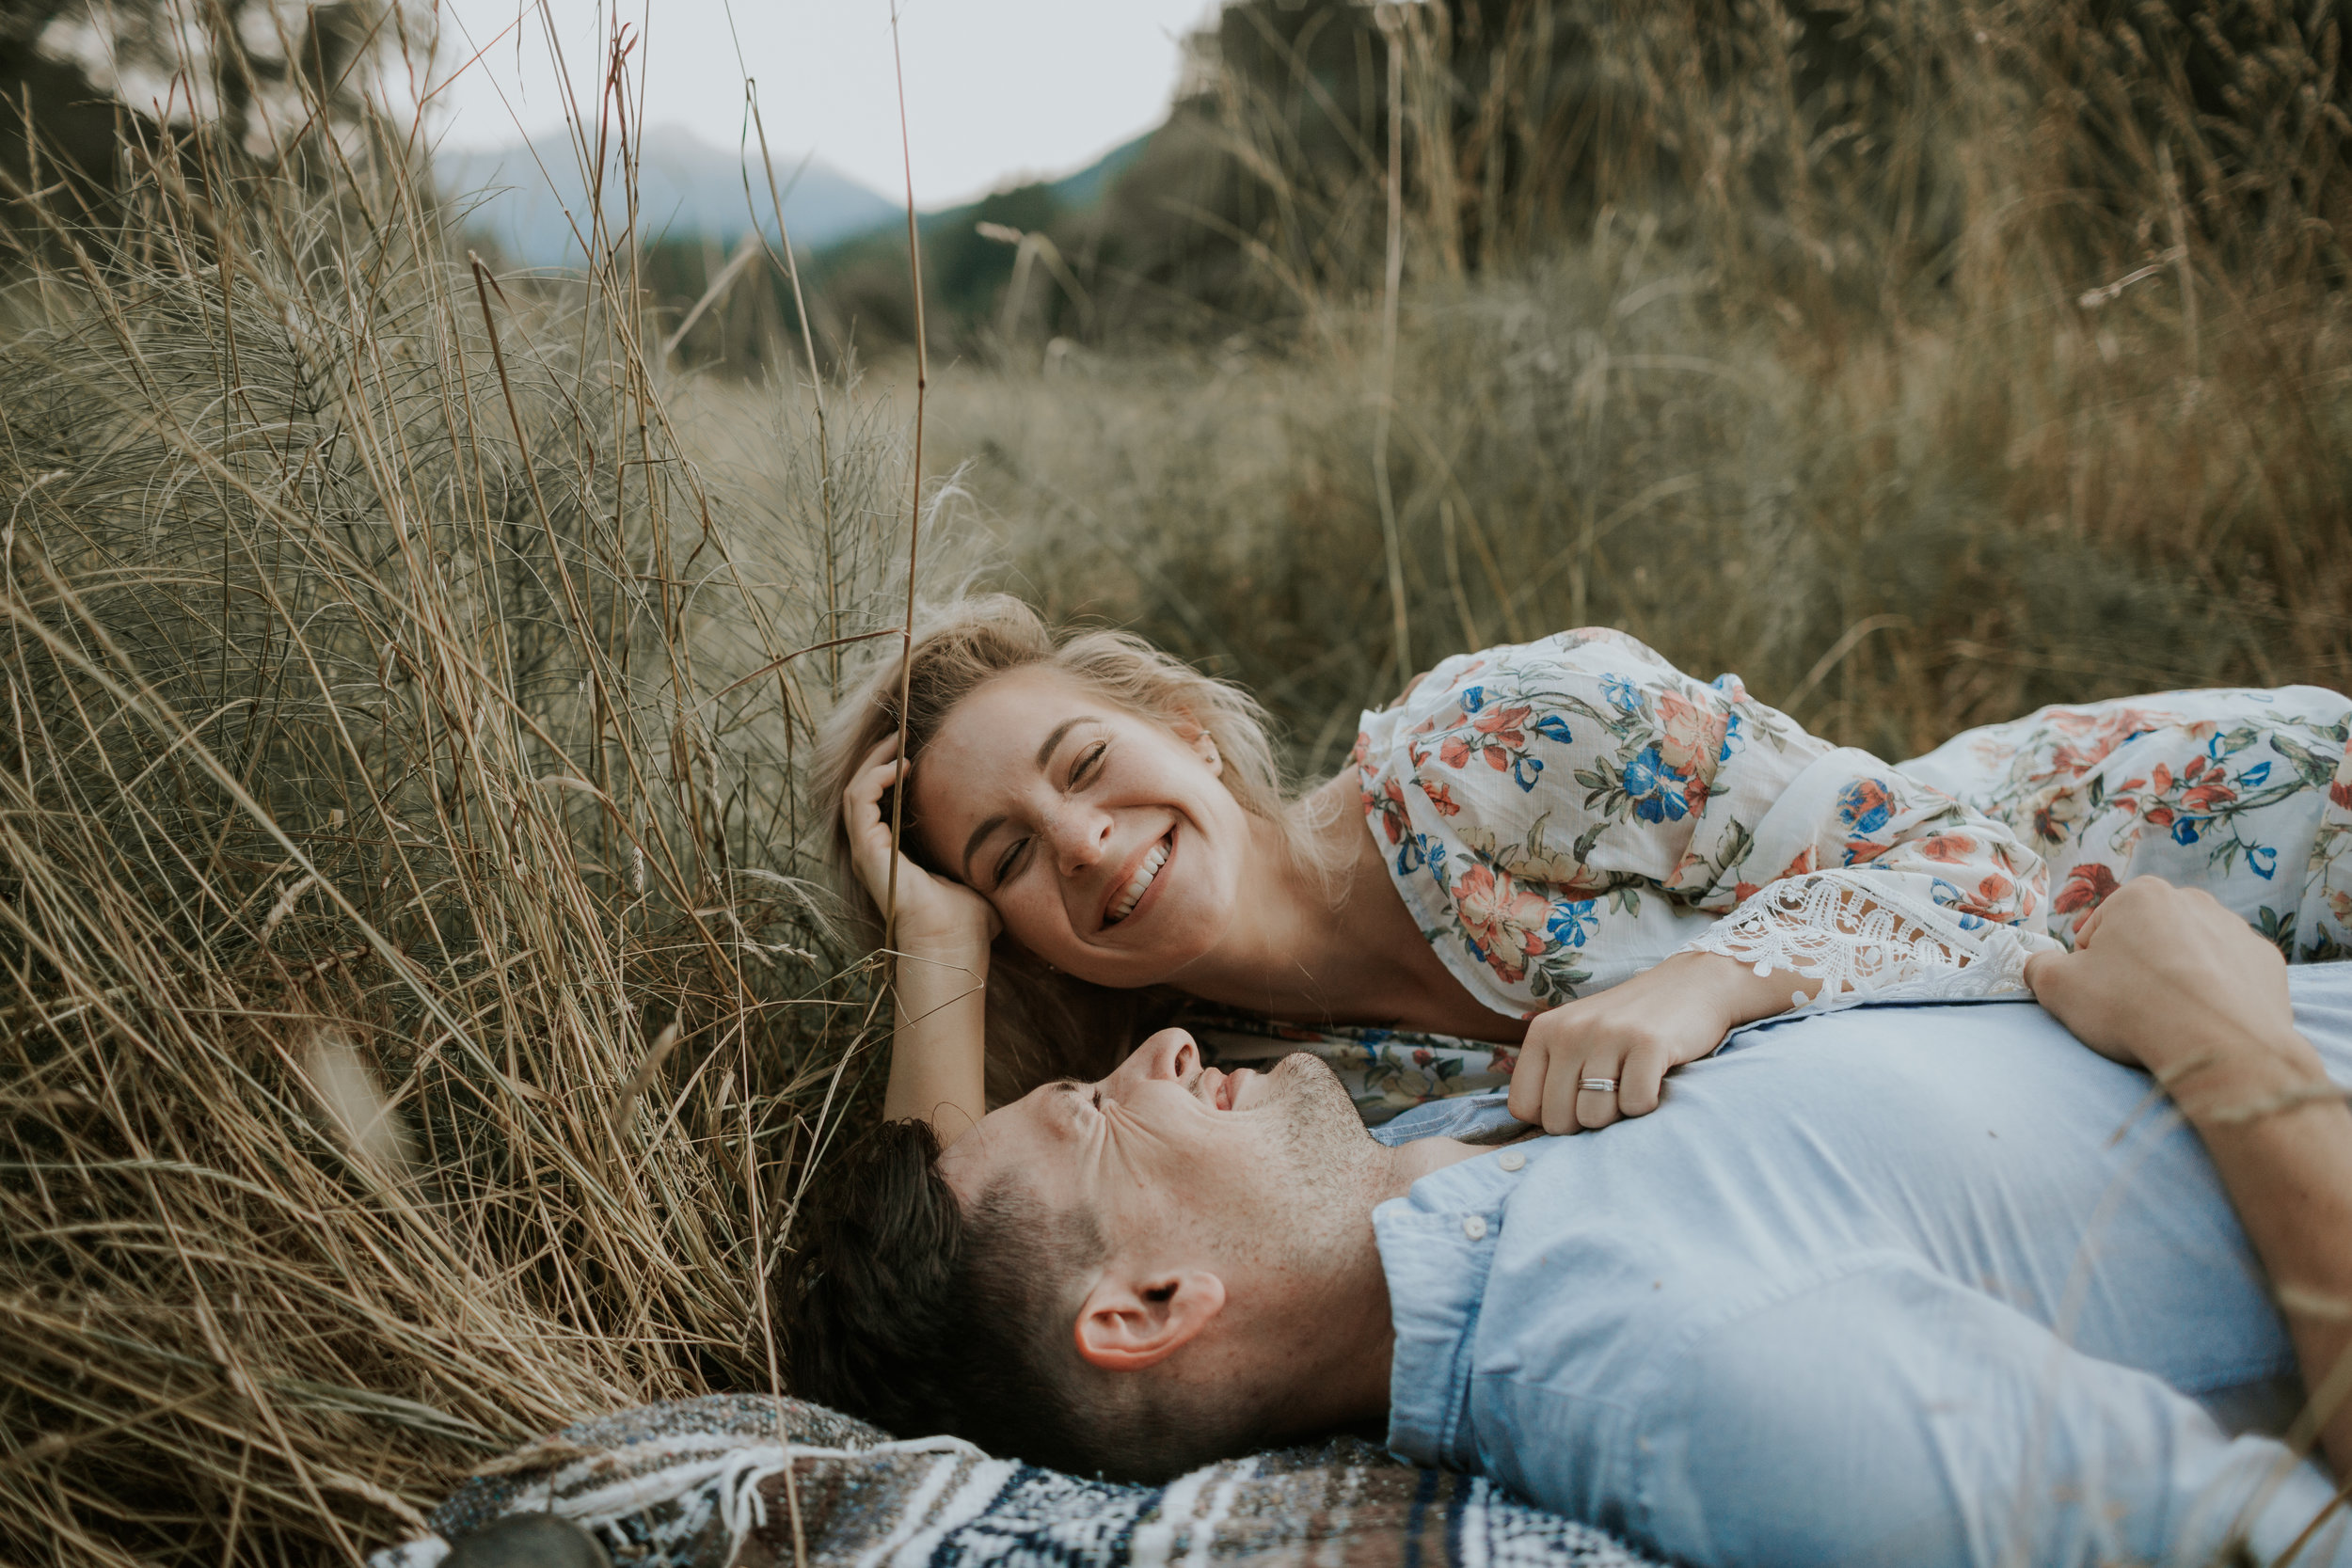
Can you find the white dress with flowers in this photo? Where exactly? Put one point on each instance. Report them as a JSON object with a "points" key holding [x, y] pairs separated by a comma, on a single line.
{"points": [[1563, 815]]}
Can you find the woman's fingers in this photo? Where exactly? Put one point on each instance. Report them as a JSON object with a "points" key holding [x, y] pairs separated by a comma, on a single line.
{"points": [[1589, 1063], [1526, 1102], [1596, 1105], [1643, 1077]]}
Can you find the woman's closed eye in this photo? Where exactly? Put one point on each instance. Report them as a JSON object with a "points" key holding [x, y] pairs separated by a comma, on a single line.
{"points": [[1016, 856], [1010, 864]]}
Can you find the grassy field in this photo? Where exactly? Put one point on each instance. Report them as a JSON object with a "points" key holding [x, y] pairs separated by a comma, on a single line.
{"points": [[423, 1002]]}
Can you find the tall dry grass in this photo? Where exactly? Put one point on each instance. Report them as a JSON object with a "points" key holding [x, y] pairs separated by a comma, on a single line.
{"points": [[418, 1019]]}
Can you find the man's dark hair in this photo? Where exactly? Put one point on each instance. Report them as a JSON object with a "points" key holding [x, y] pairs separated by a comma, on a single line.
{"points": [[907, 1310]]}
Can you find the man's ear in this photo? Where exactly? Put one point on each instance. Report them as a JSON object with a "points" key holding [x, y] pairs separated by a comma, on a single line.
{"points": [[1126, 1324]]}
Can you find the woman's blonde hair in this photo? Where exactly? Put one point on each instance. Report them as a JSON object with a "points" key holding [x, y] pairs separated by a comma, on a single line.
{"points": [[1039, 1021]]}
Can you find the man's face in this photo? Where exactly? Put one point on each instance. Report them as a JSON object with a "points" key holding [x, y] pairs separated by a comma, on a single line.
{"points": [[1260, 1176]]}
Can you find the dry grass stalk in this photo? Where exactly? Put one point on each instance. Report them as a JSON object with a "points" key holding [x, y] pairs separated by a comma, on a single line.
{"points": [[417, 1018]]}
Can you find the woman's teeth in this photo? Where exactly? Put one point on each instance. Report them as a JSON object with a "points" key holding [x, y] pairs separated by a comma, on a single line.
{"points": [[1135, 890]]}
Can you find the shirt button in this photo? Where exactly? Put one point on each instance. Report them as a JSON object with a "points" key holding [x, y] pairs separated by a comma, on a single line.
{"points": [[1512, 1159], [1474, 1227]]}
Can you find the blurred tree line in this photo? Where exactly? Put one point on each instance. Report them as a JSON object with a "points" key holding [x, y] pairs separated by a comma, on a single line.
{"points": [[219, 88], [1821, 149]]}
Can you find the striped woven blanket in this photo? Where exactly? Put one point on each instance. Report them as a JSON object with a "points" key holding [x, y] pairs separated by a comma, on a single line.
{"points": [[745, 1481]]}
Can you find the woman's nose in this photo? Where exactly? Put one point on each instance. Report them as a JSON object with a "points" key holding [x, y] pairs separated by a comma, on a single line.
{"points": [[1079, 836]]}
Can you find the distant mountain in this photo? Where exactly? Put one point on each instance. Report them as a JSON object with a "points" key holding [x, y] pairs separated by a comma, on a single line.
{"points": [[519, 196], [1076, 192]]}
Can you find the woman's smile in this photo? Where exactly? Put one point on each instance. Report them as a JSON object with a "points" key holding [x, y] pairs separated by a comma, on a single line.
{"points": [[1135, 890]]}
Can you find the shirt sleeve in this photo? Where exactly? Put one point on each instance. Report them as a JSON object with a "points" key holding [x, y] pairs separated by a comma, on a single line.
{"points": [[1567, 813], [1893, 1416]]}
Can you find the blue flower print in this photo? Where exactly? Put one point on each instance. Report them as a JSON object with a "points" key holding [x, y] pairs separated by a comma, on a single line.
{"points": [[1622, 693], [1552, 727], [1473, 698], [1572, 921], [1412, 853], [1865, 806], [2186, 830], [1652, 789], [2263, 860]]}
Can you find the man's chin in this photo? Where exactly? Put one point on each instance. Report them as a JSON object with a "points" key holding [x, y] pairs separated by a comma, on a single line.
{"points": [[1310, 1090]]}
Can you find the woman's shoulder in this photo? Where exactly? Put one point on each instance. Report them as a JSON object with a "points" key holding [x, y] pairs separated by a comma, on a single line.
{"points": [[1569, 668]]}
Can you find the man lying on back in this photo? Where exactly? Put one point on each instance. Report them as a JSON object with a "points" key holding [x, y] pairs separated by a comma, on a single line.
{"points": [[1918, 1285]]}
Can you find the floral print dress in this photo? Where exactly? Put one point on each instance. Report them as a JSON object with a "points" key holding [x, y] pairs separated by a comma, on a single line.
{"points": [[1560, 815], [2247, 794]]}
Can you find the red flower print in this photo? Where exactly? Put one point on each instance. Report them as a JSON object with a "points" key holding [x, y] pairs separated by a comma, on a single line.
{"points": [[1390, 803], [1441, 796], [2195, 766], [1745, 891], [1504, 723], [2207, 797], [1504, 919], [2159, 816], [1690, 737], [1993, 891], [1804, 864], [2340, 794], [2161, 780], [1495, 735], [1950, 849], [2100, 733], [2086, 888]]}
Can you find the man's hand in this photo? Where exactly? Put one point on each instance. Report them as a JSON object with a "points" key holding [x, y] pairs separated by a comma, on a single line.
{"points": [[2166, 978], [1630, 1035]]}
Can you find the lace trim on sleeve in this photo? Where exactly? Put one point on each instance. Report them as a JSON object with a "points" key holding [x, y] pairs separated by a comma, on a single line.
{"points": [[1869, 940]]}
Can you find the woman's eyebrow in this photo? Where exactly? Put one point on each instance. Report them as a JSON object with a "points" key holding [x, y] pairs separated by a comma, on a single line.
{"points": [[1052, 739], [972, 845]]}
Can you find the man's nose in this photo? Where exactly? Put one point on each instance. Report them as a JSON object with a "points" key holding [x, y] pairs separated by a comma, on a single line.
{"points": [[1169, 1055]]}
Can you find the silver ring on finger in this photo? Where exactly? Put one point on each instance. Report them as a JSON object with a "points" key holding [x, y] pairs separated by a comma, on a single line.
{"points": [[1597, 1085]]}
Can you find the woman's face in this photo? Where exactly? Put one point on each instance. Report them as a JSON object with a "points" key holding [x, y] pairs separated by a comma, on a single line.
{"points": [[1108, 842]]}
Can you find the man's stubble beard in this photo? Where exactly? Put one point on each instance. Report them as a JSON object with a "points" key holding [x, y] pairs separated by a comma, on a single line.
{"points": [[1328, 1167]]}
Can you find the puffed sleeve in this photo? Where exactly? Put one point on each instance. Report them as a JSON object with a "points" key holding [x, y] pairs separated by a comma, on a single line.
{"points": [[1562, 814]]}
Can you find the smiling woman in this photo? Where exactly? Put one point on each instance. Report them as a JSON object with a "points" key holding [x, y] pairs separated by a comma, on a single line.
{"points": [[1568, 847]]}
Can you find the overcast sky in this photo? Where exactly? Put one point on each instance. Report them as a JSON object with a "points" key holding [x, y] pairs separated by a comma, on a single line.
{"points": [[996, 88]]}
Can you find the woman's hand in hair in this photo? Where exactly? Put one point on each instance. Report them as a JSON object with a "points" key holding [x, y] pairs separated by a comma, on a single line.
{"points": [[939, 991], [1630, 1036], [933, 911]]}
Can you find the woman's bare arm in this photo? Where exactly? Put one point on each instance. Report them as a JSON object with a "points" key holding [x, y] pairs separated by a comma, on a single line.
{"points": [[2169, 980], [939, 1040]]}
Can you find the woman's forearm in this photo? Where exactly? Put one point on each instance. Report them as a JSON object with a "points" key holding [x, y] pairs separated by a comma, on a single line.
{"points": [[938, 1047]]}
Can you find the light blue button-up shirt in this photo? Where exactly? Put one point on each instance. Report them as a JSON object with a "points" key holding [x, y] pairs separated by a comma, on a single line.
{"points": [[1902, 1285]]}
